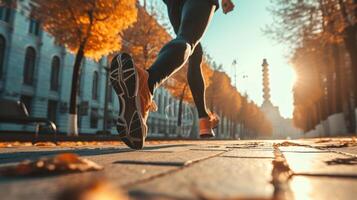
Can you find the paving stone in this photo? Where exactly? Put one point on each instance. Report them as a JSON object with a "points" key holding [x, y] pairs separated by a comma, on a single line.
{"points": [[347, 150], [329, 163], [45, 188], [250, 153], [322, 188], [121, 168], [13, 155], [172, 170], [216, 178], [299, 149]]}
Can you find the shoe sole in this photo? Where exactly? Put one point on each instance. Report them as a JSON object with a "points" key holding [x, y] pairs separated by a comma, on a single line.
{"points": [[207, 135], [125, 81]]}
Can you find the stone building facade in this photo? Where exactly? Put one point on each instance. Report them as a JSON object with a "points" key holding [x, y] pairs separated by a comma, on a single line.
{"points": [[38, 72]]}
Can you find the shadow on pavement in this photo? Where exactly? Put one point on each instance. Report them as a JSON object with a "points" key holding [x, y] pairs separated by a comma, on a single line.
{"points": [[248, 157], [12, 157], [155, 163]]}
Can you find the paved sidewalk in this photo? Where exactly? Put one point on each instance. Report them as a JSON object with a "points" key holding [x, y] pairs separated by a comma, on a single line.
{"points": [[298, 169]]}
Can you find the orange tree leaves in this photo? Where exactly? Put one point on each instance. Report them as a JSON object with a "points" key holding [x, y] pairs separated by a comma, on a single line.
{"points": [[97, 21], [145, 38]]}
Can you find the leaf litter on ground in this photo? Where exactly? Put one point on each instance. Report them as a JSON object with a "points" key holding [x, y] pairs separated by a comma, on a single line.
{"points": [[46, 166], [337, 142]]}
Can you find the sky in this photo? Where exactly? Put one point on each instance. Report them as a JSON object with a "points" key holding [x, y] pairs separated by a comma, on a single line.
{"points": [[239, 36]]}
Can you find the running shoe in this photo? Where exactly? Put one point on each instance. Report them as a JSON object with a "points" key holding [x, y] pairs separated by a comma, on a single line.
{"points": [[207, 124], [135, 100]]}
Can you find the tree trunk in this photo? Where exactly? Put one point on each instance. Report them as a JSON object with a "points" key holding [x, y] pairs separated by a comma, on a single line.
{"points": [[234, 130], [241, 130], [347, 97], [349, 110], [351, 48], [350, 40], [73, 118], [329, 81], [227, 127], [338, 83], [323, 106]]}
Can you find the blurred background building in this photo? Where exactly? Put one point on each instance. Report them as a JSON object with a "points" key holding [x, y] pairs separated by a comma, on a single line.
{"points": [[282, 127]]}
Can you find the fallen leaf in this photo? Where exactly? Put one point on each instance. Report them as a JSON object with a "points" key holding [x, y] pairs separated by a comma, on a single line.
{"points": [[96, 190], [323, 140], [44, 144], [285, 144], [14, 144], [62, 163]]}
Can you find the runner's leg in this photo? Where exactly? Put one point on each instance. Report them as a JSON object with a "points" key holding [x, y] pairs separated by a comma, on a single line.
{"points": [[195, 17], [196, 81]]}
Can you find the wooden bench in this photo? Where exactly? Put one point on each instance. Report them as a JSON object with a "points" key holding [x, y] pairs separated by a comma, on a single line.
{"points": [[16, 112]]}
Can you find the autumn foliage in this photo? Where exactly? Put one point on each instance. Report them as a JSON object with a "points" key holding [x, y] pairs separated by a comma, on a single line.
{"points": [[145, 38], [98, 22], [87, 28]]}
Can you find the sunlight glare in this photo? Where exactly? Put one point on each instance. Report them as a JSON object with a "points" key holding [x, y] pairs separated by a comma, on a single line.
{"points": [[294, 77]]}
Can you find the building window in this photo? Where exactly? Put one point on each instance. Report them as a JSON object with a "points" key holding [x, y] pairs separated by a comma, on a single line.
{"points": [[29, 65], [94, 118], [110, 93], [2, 54], [95, 86], [27, 100], [55, 71], [110, 119], [34, 27], [5, 13], [52, 110]]}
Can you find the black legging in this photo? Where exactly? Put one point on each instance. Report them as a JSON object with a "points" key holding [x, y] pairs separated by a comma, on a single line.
{"points": [[190, 19]]}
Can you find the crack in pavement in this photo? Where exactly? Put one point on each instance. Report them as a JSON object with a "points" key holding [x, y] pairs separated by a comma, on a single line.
{"points": [[169, 172], [281, 175]]}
